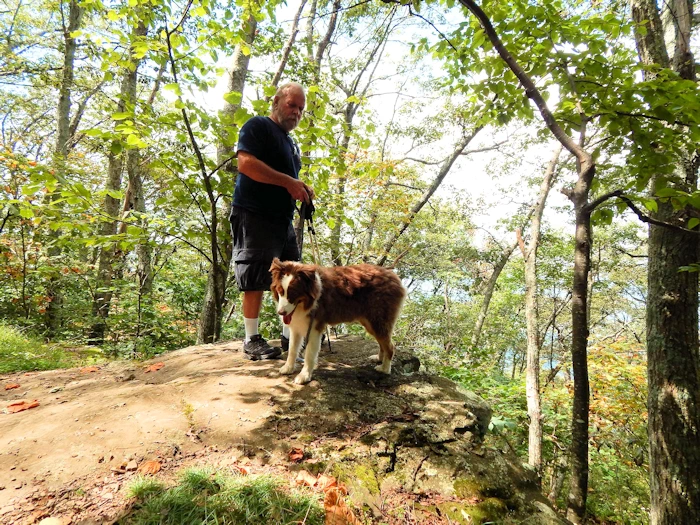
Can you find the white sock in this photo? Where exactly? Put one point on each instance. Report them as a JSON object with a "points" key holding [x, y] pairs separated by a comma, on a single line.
{"points": [[251, 328], [285, 329]]}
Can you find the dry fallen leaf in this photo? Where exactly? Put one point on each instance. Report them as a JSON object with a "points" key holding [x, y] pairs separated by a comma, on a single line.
{"points": [[149, 467], [305, 478], [244, 471], [337, 512], [296, 455], [325, 483], [154, 368], [89, 369], [11, 386], [19, 406]]}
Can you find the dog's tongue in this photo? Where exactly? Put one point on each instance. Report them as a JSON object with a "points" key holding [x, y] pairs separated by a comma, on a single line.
{"points": [[287, 318]]}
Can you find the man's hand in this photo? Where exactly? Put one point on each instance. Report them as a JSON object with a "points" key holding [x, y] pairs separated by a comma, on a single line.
{"points": [[300, 191]]}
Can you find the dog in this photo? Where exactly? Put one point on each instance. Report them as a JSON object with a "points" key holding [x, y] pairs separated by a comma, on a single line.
{"points": [[310, 297]]}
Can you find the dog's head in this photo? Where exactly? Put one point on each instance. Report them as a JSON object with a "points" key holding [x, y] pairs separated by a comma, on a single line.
{"points": [[294, 285]]}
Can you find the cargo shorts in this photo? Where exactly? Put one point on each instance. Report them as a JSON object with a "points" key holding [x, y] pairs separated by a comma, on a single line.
{"points": [[257, 239]]}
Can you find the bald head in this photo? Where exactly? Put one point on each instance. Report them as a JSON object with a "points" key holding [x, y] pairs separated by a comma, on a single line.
{"points": [[288, 106]]}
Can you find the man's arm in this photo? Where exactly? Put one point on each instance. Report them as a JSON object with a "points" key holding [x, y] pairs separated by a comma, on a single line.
{"points": [[257, 170]]}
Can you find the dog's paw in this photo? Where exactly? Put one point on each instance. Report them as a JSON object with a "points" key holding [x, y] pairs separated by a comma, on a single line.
{"points": [[374, 358], [303, 378], [384, 370], [287, 369]]}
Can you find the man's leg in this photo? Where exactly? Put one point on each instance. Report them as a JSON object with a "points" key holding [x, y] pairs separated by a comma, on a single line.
{"points": [[251, 313], [252, 301]]}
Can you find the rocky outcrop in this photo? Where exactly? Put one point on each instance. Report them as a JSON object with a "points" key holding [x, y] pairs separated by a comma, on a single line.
{"points": [[410, 443]]}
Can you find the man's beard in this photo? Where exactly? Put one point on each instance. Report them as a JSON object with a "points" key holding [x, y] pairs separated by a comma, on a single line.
{"points": [[289, 124]]}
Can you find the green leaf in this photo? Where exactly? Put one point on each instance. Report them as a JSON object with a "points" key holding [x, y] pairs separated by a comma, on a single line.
{"points": [[121, 115], [667, 192], [27, 213], [115, 194], [693, 222], [651, 205], [233, 97], [174, 87], [133, 140]]}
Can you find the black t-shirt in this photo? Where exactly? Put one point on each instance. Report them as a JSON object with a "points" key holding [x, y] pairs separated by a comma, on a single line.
{"points": [[269, 143]]}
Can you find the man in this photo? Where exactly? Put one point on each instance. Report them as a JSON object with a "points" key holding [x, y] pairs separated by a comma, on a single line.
{"points": [[263, 205]]}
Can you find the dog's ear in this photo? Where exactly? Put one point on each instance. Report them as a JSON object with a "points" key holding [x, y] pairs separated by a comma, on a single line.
{"points": [[308, 277], [275, 268]]}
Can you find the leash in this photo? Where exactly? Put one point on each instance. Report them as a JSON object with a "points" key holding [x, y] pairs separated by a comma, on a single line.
{"points": [[306, 212]]}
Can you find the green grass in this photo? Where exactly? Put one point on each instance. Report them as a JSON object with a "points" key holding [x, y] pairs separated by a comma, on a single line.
{"points": [[208, 497], [20, 354]]}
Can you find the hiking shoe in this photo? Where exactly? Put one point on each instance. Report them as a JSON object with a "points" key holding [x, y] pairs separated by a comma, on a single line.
{"points": [[257, 349]]}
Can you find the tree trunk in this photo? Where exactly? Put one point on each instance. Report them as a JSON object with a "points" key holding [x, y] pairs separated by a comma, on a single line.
{"points": [[488, 292], [210, 319], [417, 207], [105, 271], [532, 378], [673, 374], [673, 360], [52, 318], [144, 270], [288, 46], [586, 172]]}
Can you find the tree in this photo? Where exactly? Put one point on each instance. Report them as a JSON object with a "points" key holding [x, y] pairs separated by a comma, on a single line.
{"points": [[529, 252], [211, 318], [672, 314], [111, 205], [75, 13]]}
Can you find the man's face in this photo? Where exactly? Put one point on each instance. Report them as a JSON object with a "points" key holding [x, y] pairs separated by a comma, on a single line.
{"points": [[288, 108]]}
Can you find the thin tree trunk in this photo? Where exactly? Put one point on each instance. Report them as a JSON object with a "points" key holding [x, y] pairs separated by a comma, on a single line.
{"points": [[311, 18], [288, 46], [115, 167], [488, 292], [210, 319], [350, 110], [586, 172], [418, 206], [144, 270], [52, 319], [532, 380], [673, 359]]}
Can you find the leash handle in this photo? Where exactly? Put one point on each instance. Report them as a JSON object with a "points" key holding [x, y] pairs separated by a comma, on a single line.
{"points": [[307, 210]]}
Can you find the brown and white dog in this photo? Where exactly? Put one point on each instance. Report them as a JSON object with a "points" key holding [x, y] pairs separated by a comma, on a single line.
{"points": [[318, 296]]}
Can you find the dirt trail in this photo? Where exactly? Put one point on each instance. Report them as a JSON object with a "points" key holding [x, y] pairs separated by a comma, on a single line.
{"points": [[94, 421]]}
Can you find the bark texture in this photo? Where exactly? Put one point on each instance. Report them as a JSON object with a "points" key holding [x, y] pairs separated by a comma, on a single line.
{"points": [[52, 318], [110, 208], [211, 317], [532, 374], [673, 360]]}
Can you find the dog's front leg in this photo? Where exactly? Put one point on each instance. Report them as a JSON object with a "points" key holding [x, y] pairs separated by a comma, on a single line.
{"points": [[295, 340], [313, 346]]}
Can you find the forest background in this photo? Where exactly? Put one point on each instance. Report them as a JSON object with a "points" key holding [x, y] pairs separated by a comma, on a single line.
{"points": [[437, 136]]}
